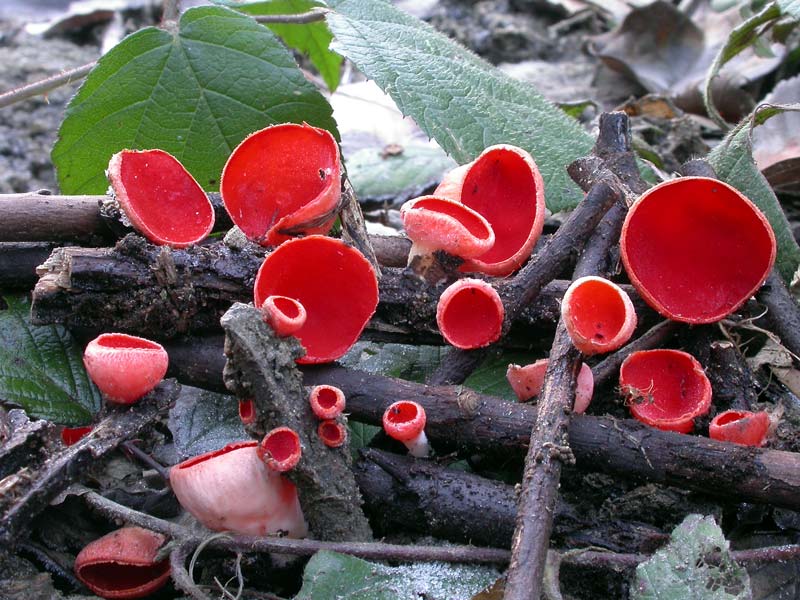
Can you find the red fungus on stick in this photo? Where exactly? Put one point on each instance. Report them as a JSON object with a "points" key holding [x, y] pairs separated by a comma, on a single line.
{"points": [[696, 249], [125, 367], [72, 435], [504, 186], [282, 181], [123, 564], [327, 401], [285, 315], [470, 314], [598, 315], [160, 197], [404, 421], [666, 389], [527, 383], [740, 427], [335, 284], [280, 449], [332, 433], [247, 411]]}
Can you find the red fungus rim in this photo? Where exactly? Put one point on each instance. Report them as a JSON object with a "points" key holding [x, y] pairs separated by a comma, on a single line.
{"points": [[332, 433], [160, 197], [666, 389], [327, 401], [740, 427], [72, 435], [333, 281], [232, 447], [282, 178], [696, 249], [285, 315], [527, 382], [470, 314], [404, 420], [247, 411], [280, 449]]}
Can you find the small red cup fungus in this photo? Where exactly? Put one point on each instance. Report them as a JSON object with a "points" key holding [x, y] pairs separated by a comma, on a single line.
{"points": [[232, 489], [247, 411], [125, 367], [404, 421], [72, 435], [160, 197], [527, 383], [696, 249], [332, 433], [598, 315], [281, 181], [327, 401], [470, 314], [123, 564], [285, 315], [666, 389], [504, 186], [280, 449], [740, 427], [333, 281]]}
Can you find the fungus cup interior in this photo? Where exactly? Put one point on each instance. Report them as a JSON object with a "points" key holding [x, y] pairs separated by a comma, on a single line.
{"points": [[281, 448], [326, 397], [279, 177], [597, 311], [114, 578], [160, 197], [666, 388], [470, 317], [441, 223], [334, 283], [696, 249], [332, 433], [287, 306], [127, 342], [404, 420], [740, 426]]}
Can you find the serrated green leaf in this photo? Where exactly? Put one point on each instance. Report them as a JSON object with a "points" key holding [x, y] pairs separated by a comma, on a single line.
{"points": [[361, 435], [332, 575], [733, 161], [204, 421], [41, 369], [312, 39], [680, 570], [458, 99], [790, 8], [196, 93]]}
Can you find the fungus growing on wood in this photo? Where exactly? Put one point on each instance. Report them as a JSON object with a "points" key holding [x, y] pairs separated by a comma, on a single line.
{"points": [[470, 314], [527, 383], [404, 421], [285, 315], [332, 433], [327, 401], [740, 427]]}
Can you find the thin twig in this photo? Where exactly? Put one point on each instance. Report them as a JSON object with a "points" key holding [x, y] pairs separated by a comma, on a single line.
{"points": [[312, 16], [45, 85], [183, 580]]}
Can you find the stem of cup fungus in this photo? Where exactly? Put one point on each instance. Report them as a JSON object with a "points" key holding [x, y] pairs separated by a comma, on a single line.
{"points": [[404, 421]]}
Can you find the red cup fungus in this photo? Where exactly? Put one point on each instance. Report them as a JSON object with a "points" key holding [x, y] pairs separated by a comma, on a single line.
{"points": [[123, 564], [285, 315], [247, 411], [696, 249], [160, 197], [333, 281], [332, 433], [598, 315], [72, 435], [504, 186], [233, 489], [280, 449], [281, 181], [327, 401], [404, 421], [527, 383], [125, 367], [666, 389], [740, 427], [470, 314]]}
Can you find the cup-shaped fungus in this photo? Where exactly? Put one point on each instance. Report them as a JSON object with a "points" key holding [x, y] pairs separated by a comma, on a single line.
{"points": [[404, 421], [696, 249], [123, 564], [527, 383], [740, 427], [327, 401], [125, 367], [280, 449], [332, 433], [233, 489], [72, 435], [247, 411], [598, 315], [334, 283], [281, 181], [666, 389], [160, 197], [285, 315], [470, 314], [504, 186], [434, 223]]}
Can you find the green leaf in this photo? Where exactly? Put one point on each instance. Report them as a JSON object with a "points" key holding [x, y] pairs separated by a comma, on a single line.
{"points": [[490, 377], [41, 369], [331, 575], [311, 39], [680, 570], [458, 99], [412, 363], [733, 161], [790, 8], [204, 421], [361, 435], [195, 92]]}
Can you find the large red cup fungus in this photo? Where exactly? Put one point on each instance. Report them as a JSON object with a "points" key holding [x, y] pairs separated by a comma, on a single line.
{"points": [[666, 389], [598, 315], [160, 197], [125, 367], [332, 433], [470, 314], [740, 427], [404, 421], [285, 315], [280, 449], [281, 181], [528, 381], [334, 282], [696, 249], [504, 186], [232, 489], [123, 564], [327, 401]]}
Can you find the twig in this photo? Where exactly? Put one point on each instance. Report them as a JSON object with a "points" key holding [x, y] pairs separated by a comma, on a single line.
{"points": [[45, 85], [313, 15], [731, 377], [783, 312], [131, 447], [181, 577], [353, 229]]}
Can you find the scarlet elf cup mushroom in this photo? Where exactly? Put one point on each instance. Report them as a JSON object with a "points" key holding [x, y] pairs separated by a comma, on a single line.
{"points": [[740, 427], [528, 381], [404, 421], [327, 401], [470, 314], [285, 315]]}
